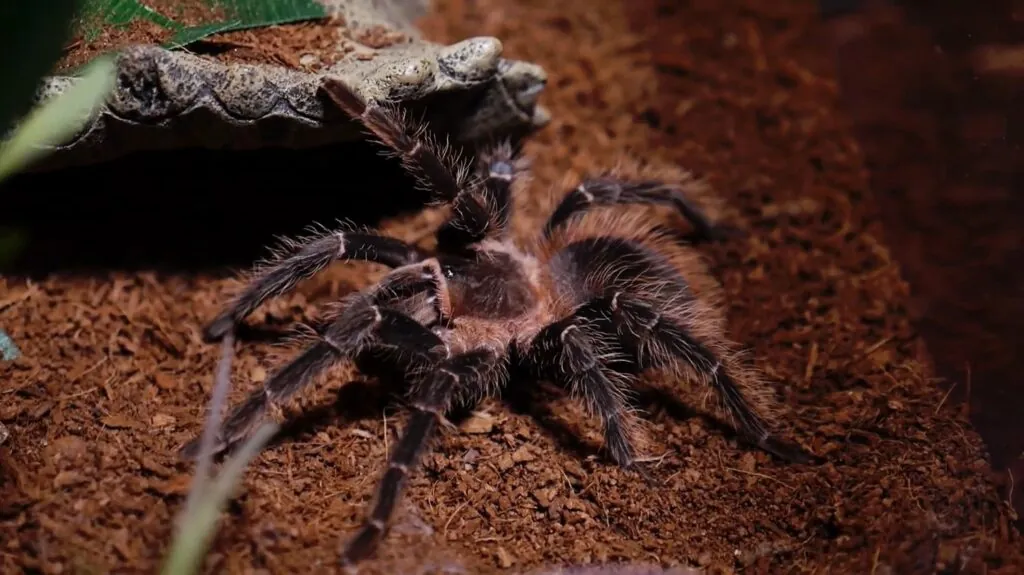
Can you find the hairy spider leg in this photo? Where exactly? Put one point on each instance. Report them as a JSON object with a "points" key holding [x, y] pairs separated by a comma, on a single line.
{"points": [[485, 210], [366, 322], [302, 258], [500, 168], [570, 353], [481, 206], [626, 284], [658, 339], [608, 190], [443, 383], [437, 170]]}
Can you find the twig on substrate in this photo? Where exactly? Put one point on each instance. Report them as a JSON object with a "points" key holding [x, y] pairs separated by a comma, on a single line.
{"points": [[221, 386], [208, 495]]}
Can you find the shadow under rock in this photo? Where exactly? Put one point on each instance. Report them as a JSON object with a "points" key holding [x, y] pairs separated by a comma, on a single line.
{"points": [[201, 209], [195, 209]]}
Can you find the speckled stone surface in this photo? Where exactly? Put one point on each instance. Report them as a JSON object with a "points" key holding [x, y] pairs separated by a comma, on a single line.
{"points": [[167, 99]]}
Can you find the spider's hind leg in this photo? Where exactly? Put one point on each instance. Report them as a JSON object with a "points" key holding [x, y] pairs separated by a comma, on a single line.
{"points": [[573, 354], [607, 190], [657, 339], [652, 311]]}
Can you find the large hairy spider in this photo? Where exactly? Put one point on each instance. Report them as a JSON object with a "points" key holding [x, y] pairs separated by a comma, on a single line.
{"points": [[601, 288]]}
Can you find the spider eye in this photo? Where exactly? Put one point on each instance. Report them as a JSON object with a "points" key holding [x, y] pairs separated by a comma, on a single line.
{"points": [[448, 272]]}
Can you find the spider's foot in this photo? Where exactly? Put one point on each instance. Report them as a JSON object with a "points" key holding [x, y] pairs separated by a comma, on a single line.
{"points": [[643, 470], [348, 567], [360, 547], [190, 451], [788, 451], [218, 328]]}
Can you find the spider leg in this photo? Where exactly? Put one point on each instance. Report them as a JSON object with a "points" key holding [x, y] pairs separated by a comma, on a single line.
{"points": [[445, 381], [434, 166], [308, 257], [480, 209], [607, 190], [483, 211], [500, 168], [365, 323], [641, 297], [657, 338], [572, 354]]}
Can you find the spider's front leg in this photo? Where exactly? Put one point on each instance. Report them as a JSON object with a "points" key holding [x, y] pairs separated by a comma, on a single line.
{"points": [[481, 207], [483, 210], [442, 382], [302, 259], [608, 190], [366, 322]]}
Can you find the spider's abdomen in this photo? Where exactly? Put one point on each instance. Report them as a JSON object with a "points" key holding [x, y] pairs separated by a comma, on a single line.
{"points": [[493, 286], [611, 263]]}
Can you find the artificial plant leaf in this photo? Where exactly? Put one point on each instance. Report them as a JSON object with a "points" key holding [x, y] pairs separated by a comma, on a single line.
{"points": [[224, 16], [244, 14], [32, 35], [196, 527], [97, 14], [52, 122]]}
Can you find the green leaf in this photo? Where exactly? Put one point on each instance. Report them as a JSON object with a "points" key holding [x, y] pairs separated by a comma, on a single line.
{"points": [[32, 35], [52, 122], [196, 527], [195, 33], [243, 14], [236, 15], [99, 13]]}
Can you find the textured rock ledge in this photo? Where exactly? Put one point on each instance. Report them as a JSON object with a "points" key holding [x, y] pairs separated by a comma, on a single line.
{"points": [[167, 99]]}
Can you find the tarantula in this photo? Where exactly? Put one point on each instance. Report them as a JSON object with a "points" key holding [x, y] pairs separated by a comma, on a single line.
{"points": [[602, 288]]}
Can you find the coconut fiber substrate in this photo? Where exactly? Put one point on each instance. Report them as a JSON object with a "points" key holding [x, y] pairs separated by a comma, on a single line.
{"points": [[114, 377]]}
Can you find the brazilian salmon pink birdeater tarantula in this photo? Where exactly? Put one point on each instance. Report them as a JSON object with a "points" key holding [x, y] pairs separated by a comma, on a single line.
{"points": [[602, 286]]}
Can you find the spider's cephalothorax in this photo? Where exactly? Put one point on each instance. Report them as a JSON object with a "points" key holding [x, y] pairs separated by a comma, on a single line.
{"points": [[602, 286]]}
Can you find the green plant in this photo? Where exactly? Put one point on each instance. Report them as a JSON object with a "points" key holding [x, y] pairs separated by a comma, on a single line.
{"points": [[231, 15], [32, 35], [207, 496], [57, 119]]}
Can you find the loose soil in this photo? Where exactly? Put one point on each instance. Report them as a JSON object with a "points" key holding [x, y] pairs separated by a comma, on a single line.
{"points": [[938, 124], [309, 46], [115, 377]]}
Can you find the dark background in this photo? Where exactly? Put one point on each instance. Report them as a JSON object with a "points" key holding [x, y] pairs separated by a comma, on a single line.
{"points": [[941, 131]]}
